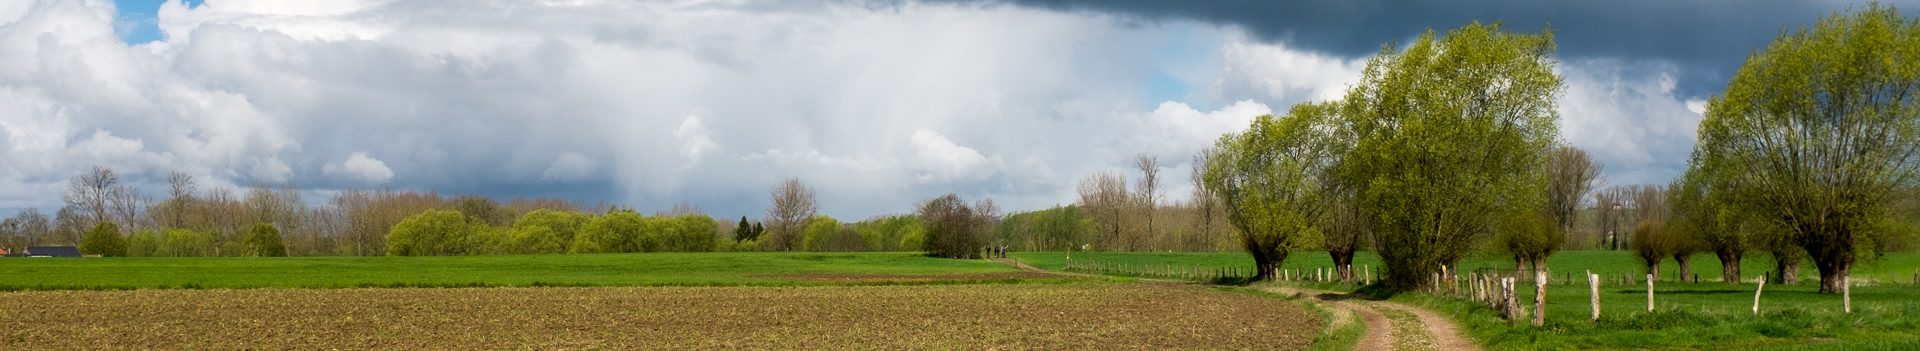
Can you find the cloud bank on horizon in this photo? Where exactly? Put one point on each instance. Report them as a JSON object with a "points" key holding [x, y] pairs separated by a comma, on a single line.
{"points": [[878, 105]]}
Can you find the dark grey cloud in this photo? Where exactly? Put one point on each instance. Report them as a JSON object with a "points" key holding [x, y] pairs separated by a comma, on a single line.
{"points": [[1708, 39]]}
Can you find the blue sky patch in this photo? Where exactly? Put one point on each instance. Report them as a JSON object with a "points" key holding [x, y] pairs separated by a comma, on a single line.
{"points": [[138, 21]]}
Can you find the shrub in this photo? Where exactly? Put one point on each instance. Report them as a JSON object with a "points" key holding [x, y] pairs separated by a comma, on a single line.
{"points": [[185, 243], [432, 233], [264, 241], [104, 240], [145, 243]]}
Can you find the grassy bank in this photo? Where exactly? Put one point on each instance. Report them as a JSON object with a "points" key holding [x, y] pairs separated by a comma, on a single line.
{"points": [[1688, 315]]}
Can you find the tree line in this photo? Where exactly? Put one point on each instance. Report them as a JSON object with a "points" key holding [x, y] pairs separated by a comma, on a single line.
{"points": [[104, 216], [1450, 145]]}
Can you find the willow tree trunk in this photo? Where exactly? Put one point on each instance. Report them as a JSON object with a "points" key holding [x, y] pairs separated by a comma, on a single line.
{"points": [[1786, 268], [1833, 275], [1729, 265], [1686, 266], [1342, 264]]}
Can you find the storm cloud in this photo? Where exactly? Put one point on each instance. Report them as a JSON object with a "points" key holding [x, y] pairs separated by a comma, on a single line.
{"points": [[878, 105]]}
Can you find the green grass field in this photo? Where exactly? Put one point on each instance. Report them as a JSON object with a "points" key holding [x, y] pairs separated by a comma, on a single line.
{"points": [[1706, 315], [654, 269]]}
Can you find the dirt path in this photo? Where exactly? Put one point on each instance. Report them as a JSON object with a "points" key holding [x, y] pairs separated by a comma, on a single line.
{"points": [[1426, 330], [1446, 336], [1380, 333]]}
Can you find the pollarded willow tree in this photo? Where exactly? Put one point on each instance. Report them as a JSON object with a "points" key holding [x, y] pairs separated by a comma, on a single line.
{"points": [[1820, 132], [1270, 178], [1450, 137]]}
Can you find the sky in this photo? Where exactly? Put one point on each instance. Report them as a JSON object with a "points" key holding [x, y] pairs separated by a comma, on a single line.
{"points": [[878, 105]]}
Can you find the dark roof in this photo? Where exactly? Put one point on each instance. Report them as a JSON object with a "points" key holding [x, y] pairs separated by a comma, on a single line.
{"points": [[55, 251]]}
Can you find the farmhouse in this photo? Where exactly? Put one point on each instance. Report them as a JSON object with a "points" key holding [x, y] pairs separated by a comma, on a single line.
{"points": [[53, 251]]}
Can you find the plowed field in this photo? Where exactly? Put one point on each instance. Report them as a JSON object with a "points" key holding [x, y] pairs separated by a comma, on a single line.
{"points": [[1071, 316]]}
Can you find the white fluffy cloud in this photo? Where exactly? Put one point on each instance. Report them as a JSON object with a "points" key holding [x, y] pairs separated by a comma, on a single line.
{"points": [[878, 105], [938, 160], [359, 167], [1627, 115]]}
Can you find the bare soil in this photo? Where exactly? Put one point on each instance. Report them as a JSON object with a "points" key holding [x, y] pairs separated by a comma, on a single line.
{"points": [[1069, 316]]}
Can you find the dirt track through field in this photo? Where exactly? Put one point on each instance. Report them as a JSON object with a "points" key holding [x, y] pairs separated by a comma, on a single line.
{"points": [[1432, 330]]}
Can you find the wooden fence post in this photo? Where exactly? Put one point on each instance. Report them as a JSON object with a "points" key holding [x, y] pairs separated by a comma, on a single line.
{"points": [[1756, 294], [1539, 298], [1593, 281], [1846, 292], [1649, 292]]}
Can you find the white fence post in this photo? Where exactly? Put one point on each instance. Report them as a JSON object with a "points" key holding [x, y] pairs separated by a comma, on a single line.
{"points": [[1756, 294], [1593, 281], [1649, 292]]}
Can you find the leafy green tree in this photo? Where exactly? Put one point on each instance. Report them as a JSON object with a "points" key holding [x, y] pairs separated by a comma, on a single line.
{"points": [[436, 232], [545, 231], [818, 232], [104, 240], [145, 243], [264, 241], [1270, 181], [616, 231], [179, 242], [1701, 213], [1450, 136], [691, 232], [1820, 133], [533, 239]]}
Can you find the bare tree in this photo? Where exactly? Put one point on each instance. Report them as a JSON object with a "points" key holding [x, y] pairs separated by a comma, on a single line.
{"points": [[792, 207], [1105, 198], [31, 226], [1204, 203], [1149, 167], [1611, 204], [93, 193], [1571, 174]]}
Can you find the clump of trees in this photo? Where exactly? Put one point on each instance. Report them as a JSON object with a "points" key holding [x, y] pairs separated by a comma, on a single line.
{"points": [[954, 229], [1817, 137]]}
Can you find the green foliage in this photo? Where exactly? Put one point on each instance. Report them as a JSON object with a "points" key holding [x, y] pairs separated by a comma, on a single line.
{"points": [[185, 243], [818, 232], [433, 233], [616, 231], [545, 231], [1450, 137], [743, 231], [686, 233], [1820, 133], [264, 241], [105, 240], [1271, 181], [652, 269], [628, 231], [890, 233], [145, 243], [1058, 228]]}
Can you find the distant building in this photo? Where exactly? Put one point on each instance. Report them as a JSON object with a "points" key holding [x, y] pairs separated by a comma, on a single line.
{"points": [[53, 251]]}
